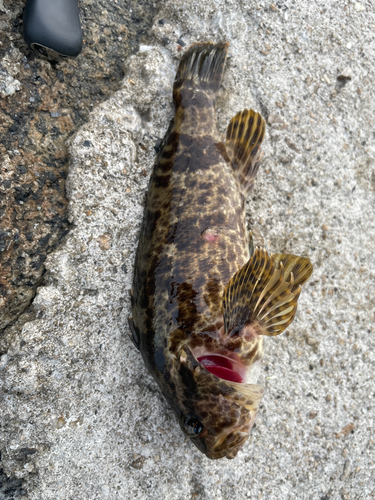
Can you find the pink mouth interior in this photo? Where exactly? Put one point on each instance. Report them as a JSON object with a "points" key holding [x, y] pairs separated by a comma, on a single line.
{"points": [[220, 366]]}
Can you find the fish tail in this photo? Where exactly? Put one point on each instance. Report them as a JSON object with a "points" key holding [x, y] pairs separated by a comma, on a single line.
{"points": [[202, 65]]}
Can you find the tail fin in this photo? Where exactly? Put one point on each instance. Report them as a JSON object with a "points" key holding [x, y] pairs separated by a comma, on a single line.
{"points": [[202, 64]]}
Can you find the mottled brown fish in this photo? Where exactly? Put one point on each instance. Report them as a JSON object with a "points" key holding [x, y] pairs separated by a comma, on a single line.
{"points": [[202, 297]]}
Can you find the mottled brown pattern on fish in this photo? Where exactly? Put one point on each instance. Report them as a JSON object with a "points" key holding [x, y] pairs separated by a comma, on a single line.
{"points": [[179, 257], [193, 239], [193, 254]]}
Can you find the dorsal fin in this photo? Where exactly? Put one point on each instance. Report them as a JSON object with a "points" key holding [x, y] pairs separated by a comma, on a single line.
{"points": [[262, 295], [245, 134]]}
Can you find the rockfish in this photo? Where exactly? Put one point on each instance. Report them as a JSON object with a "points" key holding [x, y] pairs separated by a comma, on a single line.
{"points": [[203, 297]]}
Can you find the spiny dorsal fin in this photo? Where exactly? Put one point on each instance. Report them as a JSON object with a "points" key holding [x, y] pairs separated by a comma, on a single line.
{"points": [[245, 134], [203, 63], [261, 296]]}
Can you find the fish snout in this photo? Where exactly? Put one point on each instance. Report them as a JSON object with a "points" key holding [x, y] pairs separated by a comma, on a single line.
{"points": [[228, 444], [228, 448]]}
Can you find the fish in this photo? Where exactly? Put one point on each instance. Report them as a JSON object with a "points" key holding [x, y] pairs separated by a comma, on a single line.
{"points": [[203, 295]]}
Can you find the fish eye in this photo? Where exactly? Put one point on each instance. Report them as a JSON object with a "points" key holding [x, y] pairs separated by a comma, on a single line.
{"points": [[193, 426]]}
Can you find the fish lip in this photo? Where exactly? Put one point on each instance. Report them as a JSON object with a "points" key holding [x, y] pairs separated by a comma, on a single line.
{"points": [[229, 452], [214, 455]]}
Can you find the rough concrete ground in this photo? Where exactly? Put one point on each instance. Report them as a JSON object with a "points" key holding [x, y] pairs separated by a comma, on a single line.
{"points": [[81, 417]]}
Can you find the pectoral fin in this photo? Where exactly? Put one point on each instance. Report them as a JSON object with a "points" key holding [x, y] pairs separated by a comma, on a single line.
{"points": [[262, 295], [245, 134], [251, 244], [300, 267]]}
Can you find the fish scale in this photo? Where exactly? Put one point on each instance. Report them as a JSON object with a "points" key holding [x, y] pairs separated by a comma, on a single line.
{"points": [[197, 290]]}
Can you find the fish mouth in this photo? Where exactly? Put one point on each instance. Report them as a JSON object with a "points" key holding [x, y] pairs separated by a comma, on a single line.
{"points": [[227, 365], [233, 442], [229, 453], [224, 367], [228, 446]]}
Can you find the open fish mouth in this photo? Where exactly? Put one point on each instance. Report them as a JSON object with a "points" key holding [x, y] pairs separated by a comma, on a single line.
{"points": [[223, 367], [227, 365]]}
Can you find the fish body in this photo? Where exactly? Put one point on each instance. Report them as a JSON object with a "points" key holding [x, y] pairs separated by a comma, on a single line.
{"points": [[202, 297]]}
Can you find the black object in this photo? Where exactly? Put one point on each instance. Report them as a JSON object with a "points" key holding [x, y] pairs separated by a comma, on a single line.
{"points": [[52, 28]]}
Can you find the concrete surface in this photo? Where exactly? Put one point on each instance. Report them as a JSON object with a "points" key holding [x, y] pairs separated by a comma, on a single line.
{"points": [[81, 417]]}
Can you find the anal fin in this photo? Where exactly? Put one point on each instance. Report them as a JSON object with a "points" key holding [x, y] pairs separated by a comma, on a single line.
{"points": [[245, 134], [263, 295]]}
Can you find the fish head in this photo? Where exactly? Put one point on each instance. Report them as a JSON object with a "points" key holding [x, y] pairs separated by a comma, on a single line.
{"points": [[216, 414]]}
